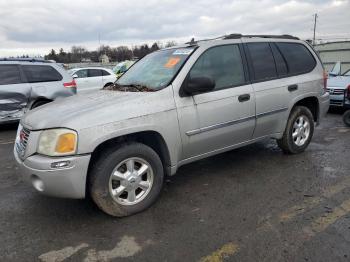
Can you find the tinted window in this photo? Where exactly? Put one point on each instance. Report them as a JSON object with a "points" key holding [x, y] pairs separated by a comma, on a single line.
{"points": [[95, 72], [298, 57], [262, 61], [82, 73], [105, 73], [281, 66], [40, 73], [223, 64], [9, 74]]}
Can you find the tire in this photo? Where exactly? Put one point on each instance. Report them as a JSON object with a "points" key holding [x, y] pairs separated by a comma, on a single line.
{"points": [[39, 103], [105, 188], [346, 118], [296, 139]]}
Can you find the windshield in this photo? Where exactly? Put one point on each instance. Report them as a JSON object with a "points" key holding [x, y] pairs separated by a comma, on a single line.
{"points": [[156, 70], [71, 71], [347, 73]]}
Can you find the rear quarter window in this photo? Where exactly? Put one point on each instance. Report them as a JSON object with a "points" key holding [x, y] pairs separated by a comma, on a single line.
{"points": [[9, 75], [105, 73], [299, 59], [41, 73]]}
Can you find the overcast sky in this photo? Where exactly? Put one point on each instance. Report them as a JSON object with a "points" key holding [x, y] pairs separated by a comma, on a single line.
{"points": [[35, 26]]}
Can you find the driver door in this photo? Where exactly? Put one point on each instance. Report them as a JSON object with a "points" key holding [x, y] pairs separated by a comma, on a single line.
{"points": [[224, 116]]}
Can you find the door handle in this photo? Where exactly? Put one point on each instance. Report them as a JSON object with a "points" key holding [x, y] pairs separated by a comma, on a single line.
{"points": [[292, 88], [243, 98]]}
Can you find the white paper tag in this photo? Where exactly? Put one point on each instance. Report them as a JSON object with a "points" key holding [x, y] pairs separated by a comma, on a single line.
{"points": [[183, 51]]}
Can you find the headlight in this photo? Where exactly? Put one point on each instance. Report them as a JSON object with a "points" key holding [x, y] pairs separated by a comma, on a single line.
{"points": [[58, 142]]}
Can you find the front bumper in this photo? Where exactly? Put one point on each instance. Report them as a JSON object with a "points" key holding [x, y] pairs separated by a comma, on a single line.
{"points": [[67, 182]]}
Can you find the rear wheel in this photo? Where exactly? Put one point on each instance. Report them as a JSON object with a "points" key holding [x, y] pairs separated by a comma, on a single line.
{"points": [[299, 131], [126, 180], [346, 118]]}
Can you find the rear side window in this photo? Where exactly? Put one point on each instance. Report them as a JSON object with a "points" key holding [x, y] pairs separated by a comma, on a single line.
{"points": [[262, 61], [105, 73], [223, 64], [281, 65], [298, 57], [9, 75], [41, 73], [95, 72]]}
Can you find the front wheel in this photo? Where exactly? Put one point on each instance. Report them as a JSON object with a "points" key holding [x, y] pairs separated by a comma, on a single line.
{"points": [[126, 180], [299, 131], [346, 118]]}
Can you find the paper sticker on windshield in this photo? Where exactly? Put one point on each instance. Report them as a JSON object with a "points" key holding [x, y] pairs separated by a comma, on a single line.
{"points": [[183, 51], [172, 62]]}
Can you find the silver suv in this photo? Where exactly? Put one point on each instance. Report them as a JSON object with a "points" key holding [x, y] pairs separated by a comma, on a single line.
{"points": [[28, 83], [173, 107]]}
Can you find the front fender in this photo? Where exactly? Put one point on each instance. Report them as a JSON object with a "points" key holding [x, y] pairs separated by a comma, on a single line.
{"points": [[164, 123]]}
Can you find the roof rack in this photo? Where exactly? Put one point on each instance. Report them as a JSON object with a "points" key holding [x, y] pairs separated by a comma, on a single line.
{"points": [[26, 60], [239, 36]]}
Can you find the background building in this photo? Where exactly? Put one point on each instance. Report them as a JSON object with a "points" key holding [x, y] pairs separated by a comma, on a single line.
{"points": [[333, 52]]}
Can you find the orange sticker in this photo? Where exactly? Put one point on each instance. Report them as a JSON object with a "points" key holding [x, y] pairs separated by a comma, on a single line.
{"points": [[172, 62]]}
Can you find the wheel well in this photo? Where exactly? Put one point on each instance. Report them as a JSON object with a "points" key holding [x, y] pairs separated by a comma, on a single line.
{"points": [[40, 99], [150, 138], [312, 104], [108, 84]]}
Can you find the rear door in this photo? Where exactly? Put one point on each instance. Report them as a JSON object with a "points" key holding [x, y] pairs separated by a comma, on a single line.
{"points": [[271, 93], [14, 92], [43, 79]]}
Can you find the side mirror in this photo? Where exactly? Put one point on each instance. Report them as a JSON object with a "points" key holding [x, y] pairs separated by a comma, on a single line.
{"points": [[75, 76], [197, 85]]}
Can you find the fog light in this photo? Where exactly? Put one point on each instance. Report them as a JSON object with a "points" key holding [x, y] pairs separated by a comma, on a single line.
{"points": [[61, 164], [38, 184]]}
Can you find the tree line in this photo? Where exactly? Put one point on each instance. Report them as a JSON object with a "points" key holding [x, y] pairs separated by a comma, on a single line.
{"points": [[79, 54]]}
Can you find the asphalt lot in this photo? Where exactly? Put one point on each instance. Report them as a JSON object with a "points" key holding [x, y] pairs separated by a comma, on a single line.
{"points": [[250, 204]]}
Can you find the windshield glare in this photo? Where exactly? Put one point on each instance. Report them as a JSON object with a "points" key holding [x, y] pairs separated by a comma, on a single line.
{"points": [[157, 69]]}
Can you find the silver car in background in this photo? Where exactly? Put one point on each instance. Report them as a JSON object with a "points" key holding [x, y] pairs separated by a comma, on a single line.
{"points": [[28, 83], [338, 85]]}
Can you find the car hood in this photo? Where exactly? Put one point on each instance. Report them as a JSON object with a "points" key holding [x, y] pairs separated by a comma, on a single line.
{"points": [[98, 108], [340, 82]]}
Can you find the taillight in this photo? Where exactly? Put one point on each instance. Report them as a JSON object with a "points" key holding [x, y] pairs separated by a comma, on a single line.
{"points": [[70, 84], [325, 77]]}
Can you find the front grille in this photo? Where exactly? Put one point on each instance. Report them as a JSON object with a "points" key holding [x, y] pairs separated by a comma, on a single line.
{"points": [[333, 91], [22, 141], [336, 102]]}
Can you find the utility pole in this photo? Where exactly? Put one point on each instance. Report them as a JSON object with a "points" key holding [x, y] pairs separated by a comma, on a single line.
{"points": [[315, 23]]}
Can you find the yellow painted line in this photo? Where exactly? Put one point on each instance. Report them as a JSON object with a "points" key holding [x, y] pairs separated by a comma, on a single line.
{"points": [[310, 203], [225, 251], [322, 223]]}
